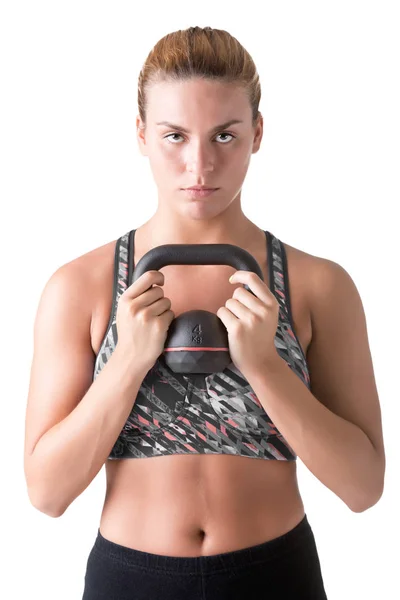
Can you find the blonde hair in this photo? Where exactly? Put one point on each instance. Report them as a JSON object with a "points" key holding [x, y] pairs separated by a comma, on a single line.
{"points": [[200, 52]]}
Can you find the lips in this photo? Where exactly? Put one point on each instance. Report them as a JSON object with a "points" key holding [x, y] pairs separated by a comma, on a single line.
{"points": [[199, 193]]}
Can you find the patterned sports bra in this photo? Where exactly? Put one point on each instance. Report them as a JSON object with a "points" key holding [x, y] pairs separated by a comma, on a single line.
{"points": [[219, 413]]}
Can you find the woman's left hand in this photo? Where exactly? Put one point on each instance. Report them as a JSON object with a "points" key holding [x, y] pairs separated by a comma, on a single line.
{"points": [[251, 322]]}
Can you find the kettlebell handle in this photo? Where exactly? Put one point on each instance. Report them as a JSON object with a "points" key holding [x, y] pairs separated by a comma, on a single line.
{"points": [[197, 254]]}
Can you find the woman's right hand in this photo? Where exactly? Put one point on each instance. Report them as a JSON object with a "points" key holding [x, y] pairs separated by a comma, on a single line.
{"points": [[143, 318]]}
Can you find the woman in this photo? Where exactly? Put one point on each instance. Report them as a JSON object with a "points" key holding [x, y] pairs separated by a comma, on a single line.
{"points": [[187, 514]]}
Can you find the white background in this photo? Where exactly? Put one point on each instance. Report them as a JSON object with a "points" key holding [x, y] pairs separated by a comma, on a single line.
{"points": [[326, 180]]}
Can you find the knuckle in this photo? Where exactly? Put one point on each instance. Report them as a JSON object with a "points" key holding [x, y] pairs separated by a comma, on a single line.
{"points": [[253, 319], [236, 326], [142, 316]]}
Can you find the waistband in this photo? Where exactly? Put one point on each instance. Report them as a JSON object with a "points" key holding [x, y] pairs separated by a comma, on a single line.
{"points": [[259, 553]]}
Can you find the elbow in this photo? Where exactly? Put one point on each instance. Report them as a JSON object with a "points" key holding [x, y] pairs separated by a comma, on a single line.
{"points": [[367, 502], [373, 494], [43, 504]]}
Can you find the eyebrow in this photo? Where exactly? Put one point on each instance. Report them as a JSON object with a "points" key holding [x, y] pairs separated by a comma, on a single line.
{"points": [[180, 128]]}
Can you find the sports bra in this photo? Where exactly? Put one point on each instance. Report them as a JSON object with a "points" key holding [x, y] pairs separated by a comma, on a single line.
{"points": [[219, 413]]}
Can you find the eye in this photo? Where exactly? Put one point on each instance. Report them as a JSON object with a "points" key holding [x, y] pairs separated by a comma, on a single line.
{"points": [[179, 135], [226, 133]]}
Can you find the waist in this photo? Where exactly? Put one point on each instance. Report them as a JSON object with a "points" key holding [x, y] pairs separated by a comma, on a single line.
{"points": [[176, 509], [299, 539]]}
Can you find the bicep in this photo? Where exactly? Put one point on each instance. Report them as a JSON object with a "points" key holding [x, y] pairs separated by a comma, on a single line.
{"points": [[63, 359], [339, 356]]}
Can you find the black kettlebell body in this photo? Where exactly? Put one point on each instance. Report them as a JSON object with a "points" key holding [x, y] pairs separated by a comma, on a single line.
{"points": [[197, 340]]}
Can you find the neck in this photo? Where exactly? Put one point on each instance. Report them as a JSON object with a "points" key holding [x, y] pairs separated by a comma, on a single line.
{"points": [[228, 227]]}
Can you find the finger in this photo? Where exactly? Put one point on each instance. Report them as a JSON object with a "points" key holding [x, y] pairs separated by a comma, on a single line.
{"points": [[226, 317], [237, 308], [255, 284], [249, 300], [143, 283]]}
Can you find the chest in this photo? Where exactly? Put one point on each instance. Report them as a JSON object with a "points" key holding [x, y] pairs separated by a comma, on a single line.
{"points": [[203, 287]]}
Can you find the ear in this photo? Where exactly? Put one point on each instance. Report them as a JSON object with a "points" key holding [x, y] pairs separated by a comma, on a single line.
{"points": [[140, 133], [258, 134]]}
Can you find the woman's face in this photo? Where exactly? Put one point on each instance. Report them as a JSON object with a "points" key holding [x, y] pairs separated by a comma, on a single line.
{"points": [[204, 154]]}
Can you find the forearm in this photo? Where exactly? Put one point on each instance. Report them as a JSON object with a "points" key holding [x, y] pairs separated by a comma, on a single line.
{"points": [[68, 456], [336, 451]]}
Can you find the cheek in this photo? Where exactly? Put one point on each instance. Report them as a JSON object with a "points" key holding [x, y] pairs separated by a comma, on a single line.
{"points": [[162, 158], [235, 170], [169, 156], [242, 169], [238, 158]]}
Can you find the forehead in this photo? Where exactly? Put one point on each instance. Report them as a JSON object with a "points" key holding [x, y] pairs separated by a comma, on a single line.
{"points": [[175, 101]]}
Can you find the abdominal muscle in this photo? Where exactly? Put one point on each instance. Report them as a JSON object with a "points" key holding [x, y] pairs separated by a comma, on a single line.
{"points": [[184, 505]]}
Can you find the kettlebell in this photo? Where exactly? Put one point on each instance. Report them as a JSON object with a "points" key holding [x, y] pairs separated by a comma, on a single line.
{"points": [[197, 340]]}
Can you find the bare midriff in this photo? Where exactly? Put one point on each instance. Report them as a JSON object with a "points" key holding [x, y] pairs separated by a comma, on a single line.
{"points": [[203, 504], [183, 505]]}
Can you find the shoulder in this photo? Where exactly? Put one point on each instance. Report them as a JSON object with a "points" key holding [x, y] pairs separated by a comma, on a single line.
{"points": [[303, 270], [333, 301], [320, 290], [88, 269], [318, 277], [82, 282]]}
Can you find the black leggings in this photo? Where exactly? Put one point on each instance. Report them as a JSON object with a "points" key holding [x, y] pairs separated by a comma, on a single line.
{"points": [[286, 567]]}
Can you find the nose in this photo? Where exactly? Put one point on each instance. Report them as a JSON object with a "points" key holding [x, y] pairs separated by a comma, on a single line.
{"points": [[199, 159]]}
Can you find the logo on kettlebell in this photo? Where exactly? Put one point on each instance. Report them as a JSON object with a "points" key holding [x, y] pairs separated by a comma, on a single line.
{"points": [[196, 334]]}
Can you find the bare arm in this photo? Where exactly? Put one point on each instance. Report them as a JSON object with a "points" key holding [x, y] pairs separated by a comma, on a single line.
{"points": [[336, 427], [71, 422]]}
